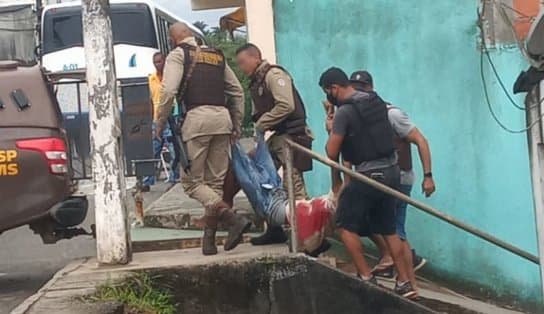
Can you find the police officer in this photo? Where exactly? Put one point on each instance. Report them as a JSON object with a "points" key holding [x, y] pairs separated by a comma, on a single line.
{"points": [[362, 133], [201, 78], [277, 107]]}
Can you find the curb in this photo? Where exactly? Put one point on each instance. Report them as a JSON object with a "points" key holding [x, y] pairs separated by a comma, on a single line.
{"points": [[33, 299], [183, 219], [176, 244]]}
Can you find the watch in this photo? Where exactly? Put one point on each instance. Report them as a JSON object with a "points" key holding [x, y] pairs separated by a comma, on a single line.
{"points": [[428, 174]]}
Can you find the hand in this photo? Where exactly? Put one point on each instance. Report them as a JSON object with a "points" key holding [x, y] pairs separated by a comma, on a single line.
{"points": [[328, 123], [327, 106], [235, 136], [428, 186], [257, 135]]}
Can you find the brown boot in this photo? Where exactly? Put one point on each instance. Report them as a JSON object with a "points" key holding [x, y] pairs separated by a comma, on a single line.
{"points": [[208, 240], [237, 226]]}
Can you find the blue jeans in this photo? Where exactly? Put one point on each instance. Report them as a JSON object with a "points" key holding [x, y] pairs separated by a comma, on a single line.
{"points": [[157, 150], [401, 211], [260, 181]]}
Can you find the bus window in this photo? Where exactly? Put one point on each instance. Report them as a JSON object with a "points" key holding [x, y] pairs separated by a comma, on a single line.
{"points": [[62, 29], [132, 24]]}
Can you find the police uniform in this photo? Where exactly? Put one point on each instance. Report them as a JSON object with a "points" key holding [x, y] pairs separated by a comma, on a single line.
{"points": [[277, 107], [208, 124]]}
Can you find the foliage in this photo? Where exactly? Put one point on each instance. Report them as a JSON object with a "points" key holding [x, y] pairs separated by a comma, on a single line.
{"points": [[217, 38], [139, 294]]}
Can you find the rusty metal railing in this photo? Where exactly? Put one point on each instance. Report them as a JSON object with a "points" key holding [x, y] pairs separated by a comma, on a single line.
{"points": [[290, 145]]}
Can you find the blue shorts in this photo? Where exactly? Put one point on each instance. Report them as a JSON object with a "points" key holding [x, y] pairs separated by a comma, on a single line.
{"points": [[400, 215]]}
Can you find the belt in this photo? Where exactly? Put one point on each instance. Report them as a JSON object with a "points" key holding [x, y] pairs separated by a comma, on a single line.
{"points": [[369, 173]]}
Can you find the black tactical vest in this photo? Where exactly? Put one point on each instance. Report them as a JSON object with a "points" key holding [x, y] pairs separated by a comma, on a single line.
{"points": [[206, 86], [295, 123], [370, 135]]}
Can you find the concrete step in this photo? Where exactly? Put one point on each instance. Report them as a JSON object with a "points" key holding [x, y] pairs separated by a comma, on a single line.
{"points": [[175, 210]]}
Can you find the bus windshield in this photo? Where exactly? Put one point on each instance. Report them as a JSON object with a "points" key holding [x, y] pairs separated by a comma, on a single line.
{"points": [[132, 24]]}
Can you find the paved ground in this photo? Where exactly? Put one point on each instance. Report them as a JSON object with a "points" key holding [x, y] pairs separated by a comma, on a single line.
{"points": [[80, 278], [26, 264]]}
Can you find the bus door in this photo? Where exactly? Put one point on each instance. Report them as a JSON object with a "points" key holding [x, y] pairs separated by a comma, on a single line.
{"points": [[136, 123]]}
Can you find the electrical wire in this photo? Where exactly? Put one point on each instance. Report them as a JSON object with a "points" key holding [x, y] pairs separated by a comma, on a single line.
{"points": [[488, 55], [518, 12], [490, 107], [501, 83], [486, 91]]}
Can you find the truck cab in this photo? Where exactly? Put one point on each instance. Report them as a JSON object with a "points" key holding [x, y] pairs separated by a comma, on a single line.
{"points": [[36, 185]]}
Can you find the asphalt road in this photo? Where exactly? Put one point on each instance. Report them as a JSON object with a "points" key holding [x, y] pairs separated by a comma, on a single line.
{"points": [[26, 263]]}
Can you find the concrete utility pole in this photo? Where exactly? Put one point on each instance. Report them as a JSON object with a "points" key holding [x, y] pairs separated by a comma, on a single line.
{"points": [[536, 154], [112, 229]]}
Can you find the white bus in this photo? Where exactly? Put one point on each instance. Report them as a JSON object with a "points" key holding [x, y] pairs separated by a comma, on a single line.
{"points": [[140, 28]]}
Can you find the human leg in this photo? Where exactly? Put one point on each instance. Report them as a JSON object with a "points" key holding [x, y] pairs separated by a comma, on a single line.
{"points": [[193, 184], [157, 149], [384, 220], [385, 267], [216, 167], [352, 222], [400, 216], [231, 187], [353, 245], [276, 144]]}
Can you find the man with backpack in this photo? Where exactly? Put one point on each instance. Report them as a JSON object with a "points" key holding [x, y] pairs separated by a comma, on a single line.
{"points": [[406, 133], [361, 132]]}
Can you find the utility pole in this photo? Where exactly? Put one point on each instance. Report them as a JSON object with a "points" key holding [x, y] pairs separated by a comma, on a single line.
{"points": [[112, 229], [536, 155]]}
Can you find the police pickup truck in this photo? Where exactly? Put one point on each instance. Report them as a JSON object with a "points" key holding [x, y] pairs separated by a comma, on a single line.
{"points": [[36, 187]]}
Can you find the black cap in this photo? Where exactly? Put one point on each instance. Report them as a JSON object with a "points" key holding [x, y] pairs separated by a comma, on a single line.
{"points": [[333, 76], [361, 77]]}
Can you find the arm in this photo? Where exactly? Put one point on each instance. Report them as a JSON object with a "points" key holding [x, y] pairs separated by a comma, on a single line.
{"points": [[415, 137], [333, 152], [347, 164], [334, 144], [281, 86], [173, 73], [235, 94]]}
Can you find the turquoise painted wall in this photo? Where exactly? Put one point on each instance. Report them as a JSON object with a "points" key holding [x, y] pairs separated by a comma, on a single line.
{"points": [[424, 58]]}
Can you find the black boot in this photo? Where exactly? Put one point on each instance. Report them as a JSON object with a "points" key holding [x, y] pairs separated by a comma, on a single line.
{"points": [[272, 235], [208, 240], [237, 226]]}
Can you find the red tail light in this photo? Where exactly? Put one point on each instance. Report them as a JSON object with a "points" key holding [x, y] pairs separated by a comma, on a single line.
{"points": [[52, 149]]}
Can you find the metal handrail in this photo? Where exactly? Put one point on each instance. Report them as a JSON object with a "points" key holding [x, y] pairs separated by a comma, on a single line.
{"points": [[398, 195]]}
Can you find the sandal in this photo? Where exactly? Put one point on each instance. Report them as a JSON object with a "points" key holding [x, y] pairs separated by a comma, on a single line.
{"points": [[384, 270]]}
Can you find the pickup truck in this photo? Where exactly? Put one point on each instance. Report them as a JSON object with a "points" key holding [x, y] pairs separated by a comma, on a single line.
{"points": [[36, 186]]}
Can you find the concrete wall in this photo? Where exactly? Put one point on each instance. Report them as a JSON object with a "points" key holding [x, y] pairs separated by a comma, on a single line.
{"points": [[425, 58]]}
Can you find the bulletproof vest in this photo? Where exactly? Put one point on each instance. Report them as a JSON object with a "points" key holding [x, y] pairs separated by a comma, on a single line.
{"points": [[404, 150], [370, 135], [263, 101], [206, 86]]}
